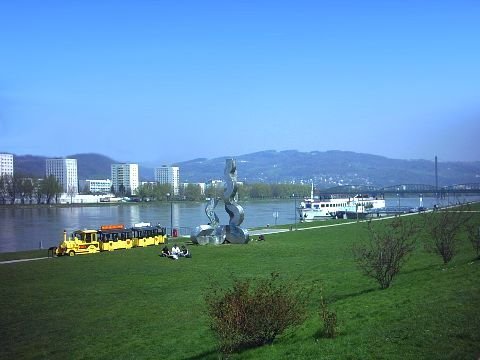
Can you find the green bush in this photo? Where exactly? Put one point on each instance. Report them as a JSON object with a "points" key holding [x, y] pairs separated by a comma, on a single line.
{"points": [[253, 312], [329, 318]]}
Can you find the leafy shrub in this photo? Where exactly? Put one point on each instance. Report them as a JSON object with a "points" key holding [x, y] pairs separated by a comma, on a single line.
{"points": [[329, 318], [253, 313]]}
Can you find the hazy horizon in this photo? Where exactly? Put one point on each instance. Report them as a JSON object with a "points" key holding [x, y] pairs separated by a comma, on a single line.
{"points": [[159, 82], [160, 163]]}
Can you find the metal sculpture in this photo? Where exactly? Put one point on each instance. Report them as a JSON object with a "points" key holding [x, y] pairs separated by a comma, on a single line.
{"points": [[233, 232], [220, 234], [210, 211]]}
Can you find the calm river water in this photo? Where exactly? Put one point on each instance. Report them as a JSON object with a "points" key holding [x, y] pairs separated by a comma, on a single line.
{"points": [[29, 228]]}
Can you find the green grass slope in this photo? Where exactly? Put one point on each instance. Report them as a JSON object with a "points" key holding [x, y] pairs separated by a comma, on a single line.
{"points": [[136, 305]]}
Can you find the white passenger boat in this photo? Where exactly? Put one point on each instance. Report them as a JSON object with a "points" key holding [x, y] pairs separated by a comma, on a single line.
{"points": [[336, 207]]}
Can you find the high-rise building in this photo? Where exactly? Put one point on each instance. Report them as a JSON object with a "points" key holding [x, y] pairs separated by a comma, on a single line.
{"points": [[125, 177], [65, 171], [169, 175], [6, 164]]}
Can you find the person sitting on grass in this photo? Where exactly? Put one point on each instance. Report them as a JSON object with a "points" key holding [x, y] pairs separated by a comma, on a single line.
{"points": [[185, 252], [176, 250], [165, 251]]}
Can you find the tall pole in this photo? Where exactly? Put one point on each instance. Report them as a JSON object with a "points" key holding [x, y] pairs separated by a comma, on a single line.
{"points": [[171, 217], [295, 211], [436, 178], [171, 213]]}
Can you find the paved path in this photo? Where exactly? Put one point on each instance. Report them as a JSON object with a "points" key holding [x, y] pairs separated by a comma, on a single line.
{"points": [[21, 260], [275, 231], [266, 231]]}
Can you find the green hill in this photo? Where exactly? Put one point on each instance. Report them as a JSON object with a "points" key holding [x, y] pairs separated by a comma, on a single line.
{"points": [[332, 168], [326, 169], [89, 166]]}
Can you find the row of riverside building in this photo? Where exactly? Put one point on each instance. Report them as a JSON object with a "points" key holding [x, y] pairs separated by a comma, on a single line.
{"points": [[124, 176]]}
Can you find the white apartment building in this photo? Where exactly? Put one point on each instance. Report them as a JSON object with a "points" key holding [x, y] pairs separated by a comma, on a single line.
{"points": [[169, 175], [125, 175], [96, 186], [6, 164], [65, 171]]}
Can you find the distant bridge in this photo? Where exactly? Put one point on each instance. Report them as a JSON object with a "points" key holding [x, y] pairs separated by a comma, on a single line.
{"points": [[470, 188]]}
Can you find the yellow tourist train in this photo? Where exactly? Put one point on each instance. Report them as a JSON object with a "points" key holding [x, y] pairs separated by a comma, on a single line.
{"points": [[110, 238]]}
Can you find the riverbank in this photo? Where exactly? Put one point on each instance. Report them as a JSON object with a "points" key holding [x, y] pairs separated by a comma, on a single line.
{"points": [[31, 227], [10, 257]]}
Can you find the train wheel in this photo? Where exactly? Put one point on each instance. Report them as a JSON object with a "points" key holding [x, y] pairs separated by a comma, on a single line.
{"points": [[71, 253]]}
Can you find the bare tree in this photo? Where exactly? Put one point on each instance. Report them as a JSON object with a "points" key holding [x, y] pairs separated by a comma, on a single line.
{"points": [[37, 190], [72, 191], [443, 229], [51, 188], [27, 189], [388, 246], [4, 188], [474, 237]]}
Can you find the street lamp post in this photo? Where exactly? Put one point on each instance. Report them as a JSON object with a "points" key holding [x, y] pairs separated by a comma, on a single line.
{"points": [[295, 210], [171, 214], [398, 199]]}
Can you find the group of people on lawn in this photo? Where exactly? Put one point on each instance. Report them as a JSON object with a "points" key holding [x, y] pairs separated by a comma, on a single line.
{"points": [[176, 252]]}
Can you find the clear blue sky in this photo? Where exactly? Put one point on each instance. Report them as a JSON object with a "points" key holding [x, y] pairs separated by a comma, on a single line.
{"points": [[167, 81]]}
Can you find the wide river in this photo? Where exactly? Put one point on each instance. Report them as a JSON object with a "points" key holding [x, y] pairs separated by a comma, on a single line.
{"points": [[34, 227]]}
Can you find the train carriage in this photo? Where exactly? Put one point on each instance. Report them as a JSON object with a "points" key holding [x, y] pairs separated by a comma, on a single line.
{"points": [[144, 234], [115, 237]]}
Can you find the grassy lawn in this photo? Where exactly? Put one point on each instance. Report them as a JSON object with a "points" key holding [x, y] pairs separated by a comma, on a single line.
{"points": [[133, 304]]}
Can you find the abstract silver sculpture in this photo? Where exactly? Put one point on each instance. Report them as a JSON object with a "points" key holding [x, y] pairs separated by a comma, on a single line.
{"points": [[233, 232], [219, 234]]}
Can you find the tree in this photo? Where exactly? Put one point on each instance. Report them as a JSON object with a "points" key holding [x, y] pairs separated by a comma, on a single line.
{"points": [[26, 189], [387, 249], [51, 188], [260, 191], [4, 183], [474, 236], [121, 190], [10, 187], [37, 190], [443, 229], [71, 191], [193, 192]]}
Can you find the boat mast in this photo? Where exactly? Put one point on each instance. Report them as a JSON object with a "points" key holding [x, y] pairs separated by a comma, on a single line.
{"points": [[311, 192]]}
